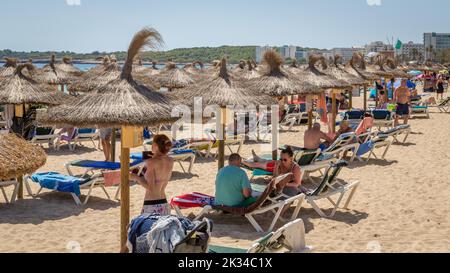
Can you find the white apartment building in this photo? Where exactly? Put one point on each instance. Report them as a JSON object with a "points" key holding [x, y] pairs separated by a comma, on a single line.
{"points": [[288, 52], [378, 47], [412, 50]]}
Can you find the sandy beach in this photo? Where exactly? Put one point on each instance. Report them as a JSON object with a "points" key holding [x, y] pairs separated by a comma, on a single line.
{"points": [[401, 205]]}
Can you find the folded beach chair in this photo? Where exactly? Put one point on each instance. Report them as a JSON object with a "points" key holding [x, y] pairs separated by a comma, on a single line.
{"points": [[396, 132], [288, 239], [178, 156], [66, 183], [7, 183], [330, 187], [44, 135], [263, 204], [288, 122], [382, 118]]}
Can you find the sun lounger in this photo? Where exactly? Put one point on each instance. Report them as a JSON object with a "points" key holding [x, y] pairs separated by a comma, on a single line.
{"points": [[370, 142], [65, 183], [85, 135], [290, 238], [420, 110], [344, 144], [8, 183], [288, 122], [330, 187], [44, 135], [397, 131], [178, 156], [382, 118], [444, 106], [262, 205]]}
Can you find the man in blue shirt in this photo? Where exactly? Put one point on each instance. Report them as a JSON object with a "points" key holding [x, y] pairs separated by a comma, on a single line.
{"points": [[233, 187]]}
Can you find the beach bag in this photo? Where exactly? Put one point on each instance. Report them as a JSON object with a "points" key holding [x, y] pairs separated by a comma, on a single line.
{"points": [[197, 240]]}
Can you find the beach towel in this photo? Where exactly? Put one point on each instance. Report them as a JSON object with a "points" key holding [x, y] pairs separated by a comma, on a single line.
{"points": [[322, 109], [157, 234], [59, 182], [102, 165], [192, 200], [139, 157]]}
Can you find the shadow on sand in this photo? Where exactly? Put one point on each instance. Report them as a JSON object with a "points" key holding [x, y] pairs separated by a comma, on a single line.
{"points": [[51, 206]]}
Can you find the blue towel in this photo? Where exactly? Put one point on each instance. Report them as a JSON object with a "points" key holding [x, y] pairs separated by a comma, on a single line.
{"points": [[59, 182], [138, 156], [102, 164], [365, 148]]}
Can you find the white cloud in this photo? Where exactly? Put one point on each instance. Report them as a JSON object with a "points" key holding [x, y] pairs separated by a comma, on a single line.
{"points": [[73, 2], [374, 2]]}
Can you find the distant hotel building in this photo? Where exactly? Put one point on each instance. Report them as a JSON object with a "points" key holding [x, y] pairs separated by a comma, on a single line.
{"points": [[288, 52], [412, 51], [435, 41], [378, 47], [260, 50]]}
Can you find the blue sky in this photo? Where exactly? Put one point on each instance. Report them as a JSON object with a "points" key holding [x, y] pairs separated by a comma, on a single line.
{"points": [[107, 25]]}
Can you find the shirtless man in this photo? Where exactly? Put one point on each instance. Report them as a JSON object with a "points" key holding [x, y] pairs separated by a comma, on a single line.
{"points": [[402, 98], [314, 136]]}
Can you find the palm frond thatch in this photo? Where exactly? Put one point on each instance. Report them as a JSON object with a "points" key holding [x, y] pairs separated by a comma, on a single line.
{"points": [[22, 88], [337, 71], [18, 157], [9, 67], [223, 89], [279, 83], [357, 66], [121, 102], [174, 78]]}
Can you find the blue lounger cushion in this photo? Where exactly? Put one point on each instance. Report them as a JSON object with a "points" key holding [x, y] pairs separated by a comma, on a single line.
{"points": [[102, 164], [138, 156], [59, 182]]}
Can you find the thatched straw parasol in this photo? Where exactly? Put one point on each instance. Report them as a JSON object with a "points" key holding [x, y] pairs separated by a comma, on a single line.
{"points": [[277, 82], [377, 68], [223, 89], [174, 78], [317, 78], [391, 67], [357, 66], [51, 74], [337, 71], [9, 67], [18, 157], [22, 89], [121, 103], [68, 67]]}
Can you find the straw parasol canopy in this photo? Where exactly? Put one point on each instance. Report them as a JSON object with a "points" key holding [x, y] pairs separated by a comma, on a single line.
{"points": [[311, 74], [21, 88], [52, 74], [174, 78], [18, 157], [68, 67], [193, 69], [223, 89], [120, 102], [277, 82], [391, 66], [357, 66], [337, 71], [9, 67], [377, 68]]}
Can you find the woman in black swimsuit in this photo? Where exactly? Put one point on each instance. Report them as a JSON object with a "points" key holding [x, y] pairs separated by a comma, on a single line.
{"points": [[440, 88]]}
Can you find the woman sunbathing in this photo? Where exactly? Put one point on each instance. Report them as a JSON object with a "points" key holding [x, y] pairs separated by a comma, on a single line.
{"points": [[159, 172], [285, 165]]}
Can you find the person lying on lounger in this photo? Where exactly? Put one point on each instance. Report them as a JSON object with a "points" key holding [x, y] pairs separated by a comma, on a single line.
{"points": [[233, 187], [313, 137], [285, 165]]}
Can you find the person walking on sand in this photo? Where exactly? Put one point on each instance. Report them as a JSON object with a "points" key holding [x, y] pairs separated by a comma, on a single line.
{"points": [[402, 99]]}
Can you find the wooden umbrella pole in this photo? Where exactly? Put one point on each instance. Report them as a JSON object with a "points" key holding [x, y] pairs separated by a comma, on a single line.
{"points": [[222, 137], [124, 193], [310, 112], [365, 96], [350, 103], [275, 126], [334, 111], [113, 145], [20, 191]]}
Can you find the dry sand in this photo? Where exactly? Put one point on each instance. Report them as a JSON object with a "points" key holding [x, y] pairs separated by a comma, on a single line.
{"points": [[402, 204]]}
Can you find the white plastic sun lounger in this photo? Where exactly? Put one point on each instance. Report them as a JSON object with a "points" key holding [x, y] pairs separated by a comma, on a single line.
{"points": [[8, 183]]}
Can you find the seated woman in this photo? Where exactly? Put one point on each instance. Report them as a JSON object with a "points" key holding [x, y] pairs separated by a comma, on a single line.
{"points": [[157, 176], [285, 165]]}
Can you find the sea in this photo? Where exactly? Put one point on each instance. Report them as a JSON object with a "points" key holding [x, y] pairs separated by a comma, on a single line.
{"points": [[87, 66]]}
